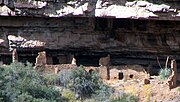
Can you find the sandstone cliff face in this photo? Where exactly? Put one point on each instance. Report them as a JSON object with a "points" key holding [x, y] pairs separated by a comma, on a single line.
{"points": [[128, 41], [125, 38], [95, 34]]}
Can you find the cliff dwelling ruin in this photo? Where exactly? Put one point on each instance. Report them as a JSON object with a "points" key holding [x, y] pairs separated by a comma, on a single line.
{"points": [[86, 49], [91, 31]]}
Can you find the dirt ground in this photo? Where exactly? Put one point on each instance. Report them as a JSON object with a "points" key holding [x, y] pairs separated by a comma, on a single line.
{"points": [[156, 91]]}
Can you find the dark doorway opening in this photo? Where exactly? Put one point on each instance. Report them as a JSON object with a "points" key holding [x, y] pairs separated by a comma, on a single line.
{"points": [[25, 59], [6, 59], [55, 60], [121, 76], [87, 60], [131, 76], [91, 71]]}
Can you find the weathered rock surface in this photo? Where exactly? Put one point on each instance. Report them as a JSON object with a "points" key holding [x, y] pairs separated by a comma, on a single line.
{"points": [[5, 11], [20, 42], [129, 41], [93, 8], [1, 41]]}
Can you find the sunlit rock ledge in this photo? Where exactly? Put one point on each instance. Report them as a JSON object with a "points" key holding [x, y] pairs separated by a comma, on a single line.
{"points": [[92, 8], [20, 42]]}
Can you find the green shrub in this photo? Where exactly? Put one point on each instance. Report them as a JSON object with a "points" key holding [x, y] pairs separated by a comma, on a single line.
{"points": [[103, 94], [28, 98], [164, 73], [84, 84], [68, 94], [65, 76], [20, 82], [178, 89], [51, 78]]}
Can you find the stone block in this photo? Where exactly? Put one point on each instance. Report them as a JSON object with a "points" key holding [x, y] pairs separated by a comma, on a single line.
{"points": [[103, 72], [172, 80], [14, 56], [41, 58]]}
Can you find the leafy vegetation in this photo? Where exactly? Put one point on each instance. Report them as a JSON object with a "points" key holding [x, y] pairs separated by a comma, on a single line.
{"points": [[20, 83], [51, 78], [71, 96], [178, 89], [103, 94], [126, 98], [84, 84], [165, 73]]}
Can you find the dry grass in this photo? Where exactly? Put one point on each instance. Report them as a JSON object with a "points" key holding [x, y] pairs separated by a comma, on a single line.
{"points": [[131, 89], [147, 90]]}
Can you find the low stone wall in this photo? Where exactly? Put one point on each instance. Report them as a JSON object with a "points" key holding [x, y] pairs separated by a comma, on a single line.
{"points": [[113, 72], [54, 68], [128, 73]]}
